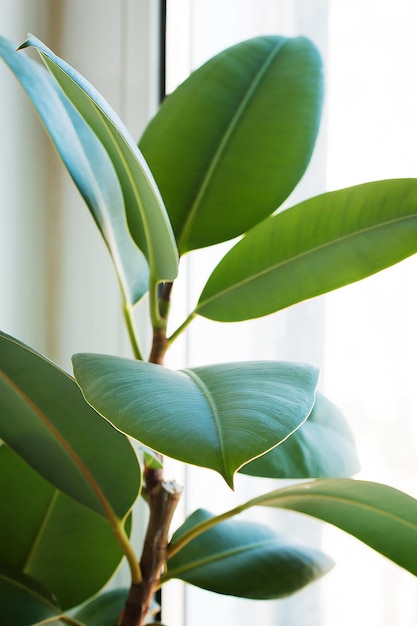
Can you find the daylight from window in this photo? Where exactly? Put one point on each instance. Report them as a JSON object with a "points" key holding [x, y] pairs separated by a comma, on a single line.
{"points": [[363, 336]]}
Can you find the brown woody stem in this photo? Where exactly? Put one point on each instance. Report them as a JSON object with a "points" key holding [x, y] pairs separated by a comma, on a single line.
{"points": [[162, 497]]}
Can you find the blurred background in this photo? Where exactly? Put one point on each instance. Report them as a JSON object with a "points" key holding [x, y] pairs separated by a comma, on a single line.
{"points": [[59, 294]]}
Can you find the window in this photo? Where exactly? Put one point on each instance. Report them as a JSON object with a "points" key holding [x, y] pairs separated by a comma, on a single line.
{"points": [[63, 298]]}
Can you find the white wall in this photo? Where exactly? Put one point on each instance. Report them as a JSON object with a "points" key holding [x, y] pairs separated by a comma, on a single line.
{"points": [[57, 285]]}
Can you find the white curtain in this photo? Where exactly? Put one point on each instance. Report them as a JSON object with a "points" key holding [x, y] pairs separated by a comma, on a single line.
{"points": [[371, 339], [363, 337]]}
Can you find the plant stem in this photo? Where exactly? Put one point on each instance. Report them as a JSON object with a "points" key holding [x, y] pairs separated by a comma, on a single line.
{"points": [[130, 325], [163, 497]]}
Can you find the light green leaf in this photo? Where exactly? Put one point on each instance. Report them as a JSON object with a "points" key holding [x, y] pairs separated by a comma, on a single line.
{"points": [[219, 416], [67, 548], [44, 418], [231, 143], [322, 448], [88, 164], [104, 610], [23, 601], [145, 211], [244, 559], [321, 244], [380, 516]]}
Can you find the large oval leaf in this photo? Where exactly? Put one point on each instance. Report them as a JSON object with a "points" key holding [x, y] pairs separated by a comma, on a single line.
{"points": [[44, 418], [380, 516], [23, 601], [321, 244], [66, 547], [322, 448], [219, 416], [231, 143], [88, 164], [244, 559], [146, 214]]}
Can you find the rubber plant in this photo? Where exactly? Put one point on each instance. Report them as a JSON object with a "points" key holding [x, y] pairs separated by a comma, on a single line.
{"points": [[216, 163]]}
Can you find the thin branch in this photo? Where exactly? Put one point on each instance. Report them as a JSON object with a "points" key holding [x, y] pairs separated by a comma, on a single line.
{"points": [[154, 312], [180, 329], [198, 529], [130, 326]]}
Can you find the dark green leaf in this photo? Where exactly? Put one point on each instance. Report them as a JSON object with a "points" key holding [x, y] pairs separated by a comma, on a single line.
{"points": [[70, 550], [23, 601], [322, 448], [45, 419], [219, 416], [231, 143], [145, 210], [103, 610], [89, 165], [245, 559], [321, 244], [380, 516]]}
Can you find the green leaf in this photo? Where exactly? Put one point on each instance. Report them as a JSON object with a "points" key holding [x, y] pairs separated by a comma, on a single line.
{"points": [[145, 211], [321, 244], [23, 601], [44, 418], [88, 164], [380, 516], [104, 610], [231, 143], [70, 550], [322, 448], [244, 559], [219, 416]]}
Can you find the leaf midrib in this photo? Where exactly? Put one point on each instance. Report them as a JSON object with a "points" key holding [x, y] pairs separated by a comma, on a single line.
{"points": [[40, 533], [218, 556], [105, 504], [334, 499], [215, 414]]}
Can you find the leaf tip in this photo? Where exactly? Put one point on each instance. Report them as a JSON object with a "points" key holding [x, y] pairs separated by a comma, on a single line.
{"points": [[230, 479], [25, 44]]}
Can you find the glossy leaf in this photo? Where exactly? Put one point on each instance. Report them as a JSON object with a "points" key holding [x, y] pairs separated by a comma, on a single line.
{"points": [[218, 417], [68, 549], [44, 418], [23, 601], [380, 516], [245, 559], [145, 211], [231, 143], [104, 610], [88, 164], [322, 448], [321, 244]]}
